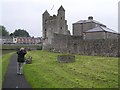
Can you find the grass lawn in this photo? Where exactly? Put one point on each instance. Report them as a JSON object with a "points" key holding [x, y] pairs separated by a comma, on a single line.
{"points": [[86, 72], [4, 60]]}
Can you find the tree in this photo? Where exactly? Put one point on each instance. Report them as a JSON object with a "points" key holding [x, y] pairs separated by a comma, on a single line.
{"points": [[11, 35], [3, 31], [20, 33]]}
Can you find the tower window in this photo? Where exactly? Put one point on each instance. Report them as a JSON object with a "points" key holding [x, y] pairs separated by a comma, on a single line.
{"points": [[45, 33], [45, 30], [61, 18], [45, 21], [60, 27]]}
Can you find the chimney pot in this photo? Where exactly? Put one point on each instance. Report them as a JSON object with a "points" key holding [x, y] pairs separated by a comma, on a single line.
{"points": [[90, 18]]}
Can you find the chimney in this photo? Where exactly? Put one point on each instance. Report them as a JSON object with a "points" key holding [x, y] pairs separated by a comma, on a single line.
{"points": [[90, 18]]}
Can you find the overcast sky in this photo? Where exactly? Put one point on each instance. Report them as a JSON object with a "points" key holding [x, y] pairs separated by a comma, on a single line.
{"points": [[27, 14]]}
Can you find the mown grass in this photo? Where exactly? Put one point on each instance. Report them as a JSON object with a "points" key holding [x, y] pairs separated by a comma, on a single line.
{"points": [[4, 60], [86, 72]]}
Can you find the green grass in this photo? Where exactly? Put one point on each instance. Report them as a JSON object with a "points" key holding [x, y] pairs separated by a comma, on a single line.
{"points": [[86, 72], [4, 60]]}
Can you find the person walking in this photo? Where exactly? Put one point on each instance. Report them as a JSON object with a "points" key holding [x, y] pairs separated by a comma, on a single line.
{"points": [[20, 60]]}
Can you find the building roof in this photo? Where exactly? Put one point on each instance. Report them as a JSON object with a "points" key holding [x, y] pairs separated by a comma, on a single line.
{"points": [[87, 21], [101, 29], [61, 8]]}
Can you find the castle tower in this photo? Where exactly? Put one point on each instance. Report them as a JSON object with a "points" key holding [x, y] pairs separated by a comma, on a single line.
{"points": [[45, 17], [61, 21], [53, 24], [61, 13]]}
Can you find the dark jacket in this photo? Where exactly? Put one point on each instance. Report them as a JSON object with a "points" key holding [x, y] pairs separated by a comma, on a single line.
{"points": [[21, 55]]}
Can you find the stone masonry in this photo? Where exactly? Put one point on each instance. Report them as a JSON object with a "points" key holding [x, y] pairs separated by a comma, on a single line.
{"points": [[98, 41], [76, 45], [54, 24]]}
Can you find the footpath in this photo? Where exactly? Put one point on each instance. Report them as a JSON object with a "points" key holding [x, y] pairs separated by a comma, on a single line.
{"points": [[12, 80]]}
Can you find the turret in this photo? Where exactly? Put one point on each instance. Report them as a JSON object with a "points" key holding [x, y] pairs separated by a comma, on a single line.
{"points": [[61, 12], [45, 17], [61, 8], [46, 13]]}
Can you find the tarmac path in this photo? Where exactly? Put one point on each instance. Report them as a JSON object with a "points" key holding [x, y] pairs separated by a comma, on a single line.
{"points": [[12, 80]]}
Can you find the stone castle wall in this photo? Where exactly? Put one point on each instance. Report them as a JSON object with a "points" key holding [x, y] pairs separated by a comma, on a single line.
{"points": [[76, 45]]}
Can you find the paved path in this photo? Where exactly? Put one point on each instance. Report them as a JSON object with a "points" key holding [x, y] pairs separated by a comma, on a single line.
{"points": [[12, 80]]}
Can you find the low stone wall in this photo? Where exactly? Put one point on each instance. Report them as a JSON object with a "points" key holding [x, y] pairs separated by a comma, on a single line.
{"points": [[76, 45], [66, 58]]}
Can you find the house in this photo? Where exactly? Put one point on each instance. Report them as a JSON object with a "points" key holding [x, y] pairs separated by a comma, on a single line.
{"points": [[92, 29], [7, 40], [27, 40]]}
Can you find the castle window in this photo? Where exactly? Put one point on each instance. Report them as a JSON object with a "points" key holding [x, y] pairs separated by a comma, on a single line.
{"points": [[60, 27], [45, 33], [45, 21], [61, 18], [45, 30]]}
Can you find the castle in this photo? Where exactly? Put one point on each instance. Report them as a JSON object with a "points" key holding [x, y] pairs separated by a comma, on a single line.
{"points": [[89, 37], [54, 24]]}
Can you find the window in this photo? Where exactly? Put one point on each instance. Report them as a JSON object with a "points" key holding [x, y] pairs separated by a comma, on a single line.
{"points": [[61, 18], [60, 27], [45, 33], [45, 21]]}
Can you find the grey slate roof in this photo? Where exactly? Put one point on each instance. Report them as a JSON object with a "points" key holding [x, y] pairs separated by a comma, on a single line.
{"points": [[87, 21], [101, 29]]}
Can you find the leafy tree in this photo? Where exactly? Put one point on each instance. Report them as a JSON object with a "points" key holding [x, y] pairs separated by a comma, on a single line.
{"points": [[3, 31], [11, 34], [20, 33]]}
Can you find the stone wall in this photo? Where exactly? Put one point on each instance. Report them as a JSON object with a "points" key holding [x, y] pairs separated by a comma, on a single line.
{"points": [[75, 44], [112, 35], [95, 35], [101, 35]]}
